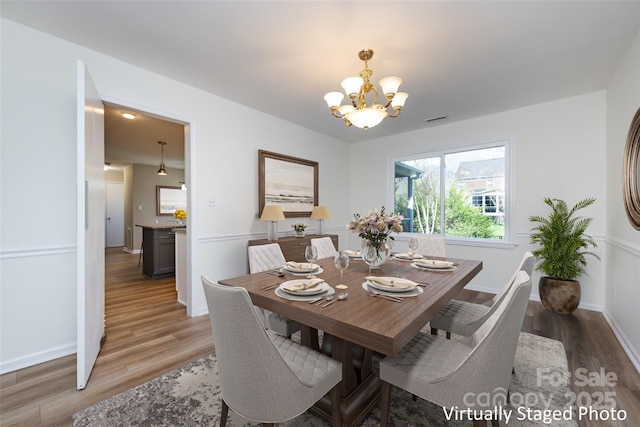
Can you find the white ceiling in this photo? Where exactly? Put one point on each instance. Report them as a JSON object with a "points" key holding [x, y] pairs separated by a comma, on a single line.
{"points": [[459, 59]]}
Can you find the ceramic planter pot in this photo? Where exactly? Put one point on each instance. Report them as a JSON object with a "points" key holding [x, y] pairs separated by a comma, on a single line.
{"points": [[559, 296]]}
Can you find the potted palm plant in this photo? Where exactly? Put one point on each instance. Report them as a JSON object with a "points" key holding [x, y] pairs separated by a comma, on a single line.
{"points": [[564, 246]]}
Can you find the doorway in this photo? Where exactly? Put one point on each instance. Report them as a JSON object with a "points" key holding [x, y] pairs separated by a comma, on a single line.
{"points": [[139, 153]]}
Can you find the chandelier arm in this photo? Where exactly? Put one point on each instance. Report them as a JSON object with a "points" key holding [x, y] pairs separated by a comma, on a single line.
{"points": [[336, 112], [397, 112]]}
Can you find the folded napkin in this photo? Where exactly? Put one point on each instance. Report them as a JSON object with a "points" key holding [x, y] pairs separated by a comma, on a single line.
{"points": [[434, 263], [409, 255], [311, 283], [392, 282], [352, 253], [301, 265]]}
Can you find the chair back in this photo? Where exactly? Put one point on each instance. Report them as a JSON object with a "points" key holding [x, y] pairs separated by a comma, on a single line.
{"points": [[265, 257], [251, 368], [526, 264], [325, 247], [487, 368], [431, 246]]}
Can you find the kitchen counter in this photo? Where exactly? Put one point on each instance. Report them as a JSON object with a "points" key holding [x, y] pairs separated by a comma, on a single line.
{"points": [[158, 249]]}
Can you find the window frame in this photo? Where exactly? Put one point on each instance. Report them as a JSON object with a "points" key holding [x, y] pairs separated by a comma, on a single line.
{"points": [[509, 176]]}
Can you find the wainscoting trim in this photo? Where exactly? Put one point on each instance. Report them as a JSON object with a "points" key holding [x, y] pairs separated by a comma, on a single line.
{"points": [[25, 253]]}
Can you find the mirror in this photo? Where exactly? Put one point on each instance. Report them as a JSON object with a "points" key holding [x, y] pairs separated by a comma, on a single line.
{"points": [[168, 199], [631, 173]]}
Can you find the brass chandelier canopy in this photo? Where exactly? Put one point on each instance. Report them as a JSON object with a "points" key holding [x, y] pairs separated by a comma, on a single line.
{"points": [[359, 113]]}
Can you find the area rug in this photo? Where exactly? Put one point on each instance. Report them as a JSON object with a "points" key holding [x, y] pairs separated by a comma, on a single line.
{"points": [[190, 396]]}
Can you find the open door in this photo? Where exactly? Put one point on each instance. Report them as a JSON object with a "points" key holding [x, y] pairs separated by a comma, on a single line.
{"points": [[90, 224]]}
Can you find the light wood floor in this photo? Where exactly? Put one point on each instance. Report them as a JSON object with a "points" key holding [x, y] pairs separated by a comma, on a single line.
{"points": [[149, 334]]}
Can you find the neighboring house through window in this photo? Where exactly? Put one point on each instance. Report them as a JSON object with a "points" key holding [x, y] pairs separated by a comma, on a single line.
{"points": [[461, 193]]}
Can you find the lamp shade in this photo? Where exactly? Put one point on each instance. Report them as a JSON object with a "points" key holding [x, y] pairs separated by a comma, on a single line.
{"points": [[320, 212], [272, 213]]}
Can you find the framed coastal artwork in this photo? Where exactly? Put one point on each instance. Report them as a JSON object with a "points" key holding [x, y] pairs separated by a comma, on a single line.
{"points": [[168, 199], [287, 181]]}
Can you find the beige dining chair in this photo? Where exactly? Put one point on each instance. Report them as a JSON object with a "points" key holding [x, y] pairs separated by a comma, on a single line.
{"points": [[431, 246], [325, 247], [467, 374], [464, 318], [264, 377], [270, 257]]}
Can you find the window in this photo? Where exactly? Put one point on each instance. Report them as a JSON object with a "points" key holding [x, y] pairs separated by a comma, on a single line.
{"points": [[460, 193]]}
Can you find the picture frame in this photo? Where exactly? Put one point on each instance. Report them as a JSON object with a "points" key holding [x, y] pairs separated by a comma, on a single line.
{"points": [[290, 182], [168, 199]]}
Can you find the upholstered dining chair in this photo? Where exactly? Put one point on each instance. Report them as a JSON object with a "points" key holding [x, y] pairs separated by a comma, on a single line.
{"points": [[264, 376], [325, 246], [270, 257], [464, 318], [465, 374], [431, 246]]}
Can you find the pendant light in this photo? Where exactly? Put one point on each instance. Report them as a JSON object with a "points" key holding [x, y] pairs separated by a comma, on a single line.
{"points": [[162, 170]]}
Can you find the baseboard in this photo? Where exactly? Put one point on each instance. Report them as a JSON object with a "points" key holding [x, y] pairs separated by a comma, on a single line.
{"points": [[536, 297], [37, 358], [631, 351]]}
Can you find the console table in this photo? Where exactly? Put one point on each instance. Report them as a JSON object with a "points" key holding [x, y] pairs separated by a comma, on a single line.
{"points": [[293, 247]]}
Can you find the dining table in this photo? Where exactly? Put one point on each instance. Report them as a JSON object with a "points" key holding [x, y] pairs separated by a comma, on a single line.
{"points": [[360, 326]]}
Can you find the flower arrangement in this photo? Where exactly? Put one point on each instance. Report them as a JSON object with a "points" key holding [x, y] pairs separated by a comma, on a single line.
{"points": [[299, 226], [376, 226], [180, 214]]}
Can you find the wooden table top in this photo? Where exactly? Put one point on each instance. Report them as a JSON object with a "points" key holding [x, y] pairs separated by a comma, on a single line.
{"points": [[375, 323]]}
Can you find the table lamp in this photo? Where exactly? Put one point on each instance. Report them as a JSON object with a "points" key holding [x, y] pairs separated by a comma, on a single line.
{"points": [[274, 214], [320, 213]]}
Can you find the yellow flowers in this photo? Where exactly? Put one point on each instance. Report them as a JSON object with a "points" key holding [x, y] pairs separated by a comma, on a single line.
{"points": [[180, 214]]}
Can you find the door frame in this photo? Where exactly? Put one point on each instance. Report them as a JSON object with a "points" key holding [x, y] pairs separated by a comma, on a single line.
{"points": [[190, 173]]}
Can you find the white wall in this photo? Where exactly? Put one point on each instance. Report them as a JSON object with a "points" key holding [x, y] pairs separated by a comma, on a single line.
{"points": [[38, 288], [623, 241], [559, 151]]}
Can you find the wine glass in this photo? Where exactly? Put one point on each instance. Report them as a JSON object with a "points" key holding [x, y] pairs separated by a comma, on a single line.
{"points": [[369, 255], [311, 255], [341, 261], [413, 245]]}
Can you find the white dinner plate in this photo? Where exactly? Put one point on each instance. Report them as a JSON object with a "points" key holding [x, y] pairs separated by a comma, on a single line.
{"points": [[285, 295], [435, 263], [354, 254], [301, 270], [318, 289], [411, 293], [406, 257], [389, 288], [301, 273], [434, 269]]}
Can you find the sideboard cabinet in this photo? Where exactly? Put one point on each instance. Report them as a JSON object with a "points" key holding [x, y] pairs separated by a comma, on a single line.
{"points": [[293, 247]]}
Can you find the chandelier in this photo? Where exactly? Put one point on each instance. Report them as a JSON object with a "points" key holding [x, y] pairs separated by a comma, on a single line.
{"points": [[358, 113]]}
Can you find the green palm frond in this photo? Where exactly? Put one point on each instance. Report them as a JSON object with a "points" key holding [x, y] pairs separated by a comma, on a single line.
{"points": [[564, 244]]}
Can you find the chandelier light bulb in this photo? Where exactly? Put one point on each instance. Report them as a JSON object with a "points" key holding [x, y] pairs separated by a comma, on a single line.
{"points": [[364, 111]]}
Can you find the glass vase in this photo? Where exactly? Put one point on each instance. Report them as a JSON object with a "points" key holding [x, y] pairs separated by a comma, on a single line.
{"points": [[375, 252], [299, 233]]}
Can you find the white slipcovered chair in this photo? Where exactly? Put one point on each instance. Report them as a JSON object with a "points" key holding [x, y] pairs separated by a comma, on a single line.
{"points": [[431, 246], [325, 247], [270, 257], [468, 374], [265, 377], [464, 318]]}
